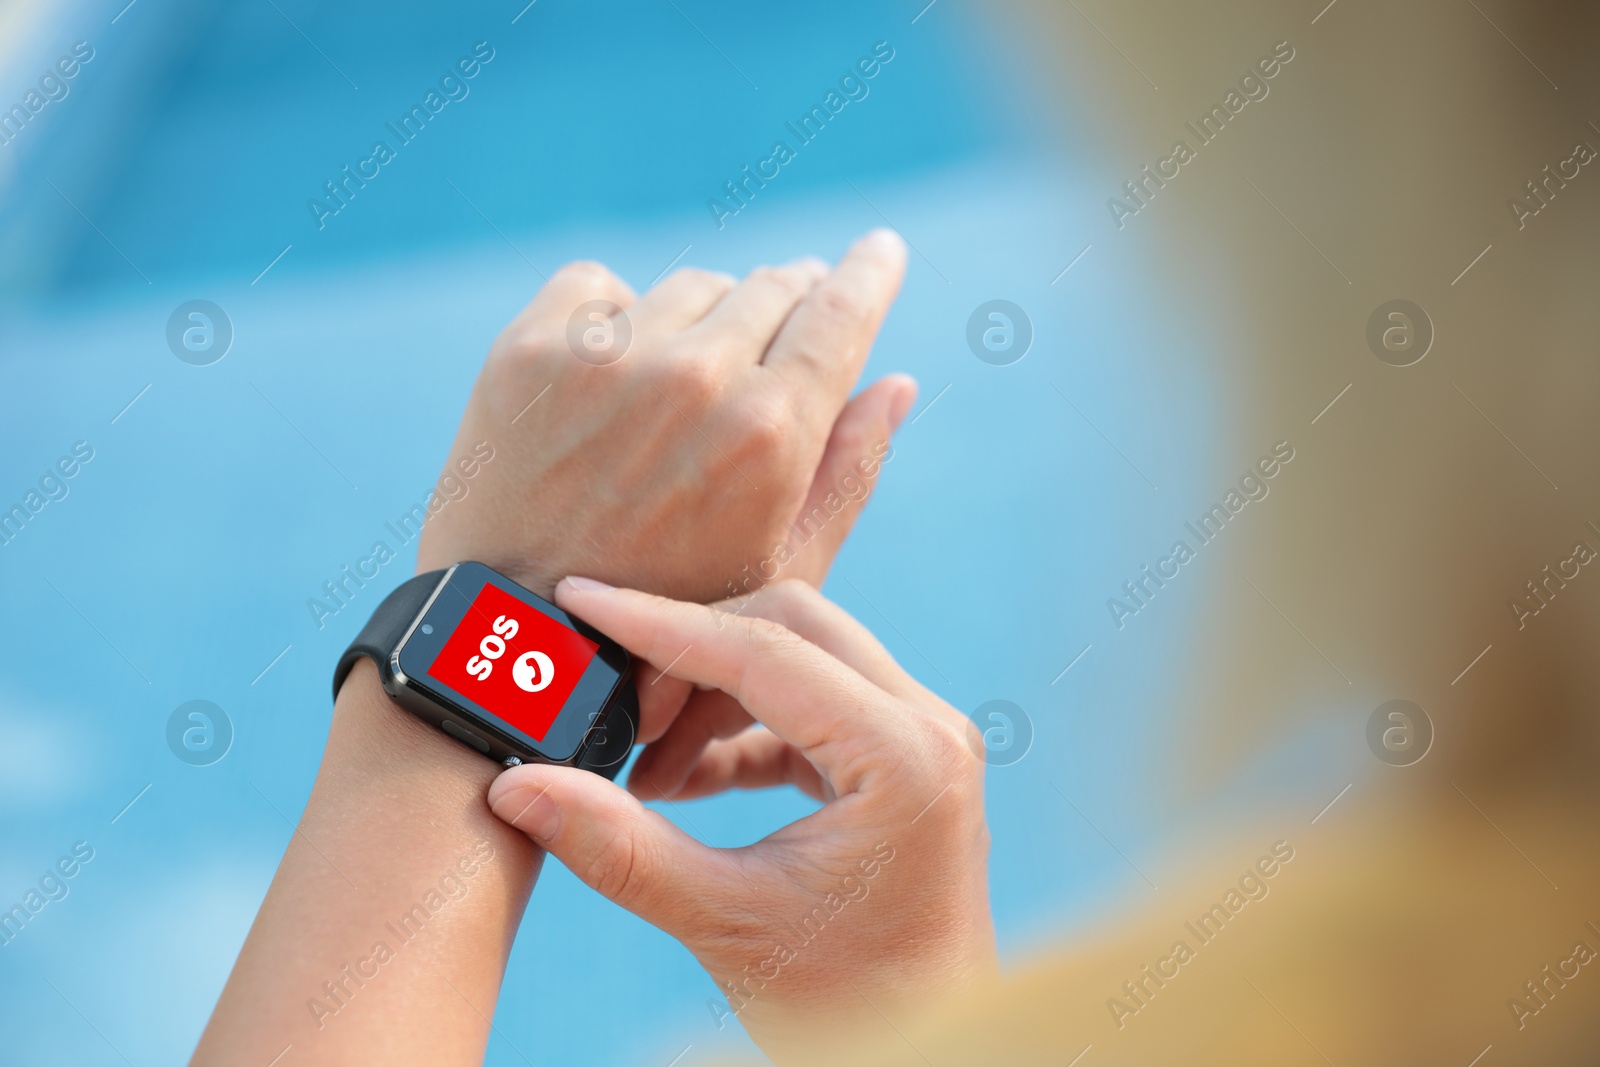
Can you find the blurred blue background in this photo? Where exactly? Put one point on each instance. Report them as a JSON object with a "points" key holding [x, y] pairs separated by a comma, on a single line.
{"points": [[179, 167]]}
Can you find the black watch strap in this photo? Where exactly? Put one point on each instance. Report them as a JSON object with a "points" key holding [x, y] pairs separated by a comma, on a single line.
{"points": [[387, 626]]}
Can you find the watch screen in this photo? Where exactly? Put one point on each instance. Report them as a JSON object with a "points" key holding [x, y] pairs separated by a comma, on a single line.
{"points": [[502, 660], [516, 661]]}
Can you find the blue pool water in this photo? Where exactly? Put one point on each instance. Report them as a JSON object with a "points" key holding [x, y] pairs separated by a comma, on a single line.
{"points": [[178, 565]]}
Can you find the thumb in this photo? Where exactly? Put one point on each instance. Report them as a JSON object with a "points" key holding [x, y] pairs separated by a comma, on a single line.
{"points": [[627, 853], [849, 469]]}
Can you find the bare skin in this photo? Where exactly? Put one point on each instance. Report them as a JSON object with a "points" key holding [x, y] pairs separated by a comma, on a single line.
{"points": [[671, 469], [862, 911]]}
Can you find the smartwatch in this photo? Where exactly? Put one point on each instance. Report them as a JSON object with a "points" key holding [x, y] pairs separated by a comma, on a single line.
{"points": [[502, 670]]}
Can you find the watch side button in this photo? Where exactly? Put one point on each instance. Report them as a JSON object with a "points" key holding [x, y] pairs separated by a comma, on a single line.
{"points": [[465, 736]]}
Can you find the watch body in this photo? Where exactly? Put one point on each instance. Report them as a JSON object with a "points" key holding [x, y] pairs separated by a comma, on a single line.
{"points": [[503, 670]]}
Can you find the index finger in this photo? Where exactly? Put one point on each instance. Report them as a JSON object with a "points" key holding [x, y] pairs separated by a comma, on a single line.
{"points": [[823, 345], [788, 684]]}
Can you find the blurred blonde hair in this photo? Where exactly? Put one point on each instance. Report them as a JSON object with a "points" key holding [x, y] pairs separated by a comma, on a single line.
{"points": [[1431, 914]]}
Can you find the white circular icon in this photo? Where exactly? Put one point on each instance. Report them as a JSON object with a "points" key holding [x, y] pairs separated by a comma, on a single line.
{"points": [[533, 671]]}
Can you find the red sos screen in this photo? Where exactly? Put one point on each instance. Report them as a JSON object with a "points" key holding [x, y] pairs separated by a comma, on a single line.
{"points": [[513, 660]]}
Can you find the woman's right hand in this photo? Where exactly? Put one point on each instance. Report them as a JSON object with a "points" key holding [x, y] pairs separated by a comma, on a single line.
{"points": [[860, 912]]}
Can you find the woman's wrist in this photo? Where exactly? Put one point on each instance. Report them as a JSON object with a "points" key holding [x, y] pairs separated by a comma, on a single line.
{"points": [[373, 737], [397, 873]]}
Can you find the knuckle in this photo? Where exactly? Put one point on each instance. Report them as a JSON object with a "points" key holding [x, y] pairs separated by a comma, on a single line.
{"points": [[693, 380], [776, 278], [771, 638], [951, 752], [780, 600], [521, 347], [615, 872], [585, 271], [790, 602], [942, 783], [759, 426], [841, 306], [699, 278], [794, 595]]}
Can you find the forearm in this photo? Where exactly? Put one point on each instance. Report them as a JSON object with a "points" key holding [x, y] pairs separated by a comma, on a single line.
{"points": [[351, 960], [384, 935]]}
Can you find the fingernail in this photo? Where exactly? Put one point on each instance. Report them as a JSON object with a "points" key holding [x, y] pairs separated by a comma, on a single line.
{"points": [[883, 240], [534, 812], [903, 399], [586, 585], [811, 265]]}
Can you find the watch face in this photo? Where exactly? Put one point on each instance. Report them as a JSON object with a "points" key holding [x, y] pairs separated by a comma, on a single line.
{"points": [[512, 661]]}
